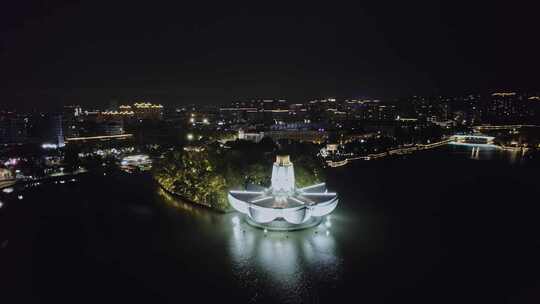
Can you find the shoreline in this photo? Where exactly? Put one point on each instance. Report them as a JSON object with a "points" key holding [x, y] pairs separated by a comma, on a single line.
{"points": [[418, 148], [187, 200]]}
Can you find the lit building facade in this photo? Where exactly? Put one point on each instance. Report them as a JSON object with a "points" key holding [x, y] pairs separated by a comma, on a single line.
{"points": [[48, 130], [509, 107], [138, 110], [7, 178]]}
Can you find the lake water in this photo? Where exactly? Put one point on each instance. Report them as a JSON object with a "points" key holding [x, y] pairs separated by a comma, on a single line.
{"points": [[441, 226]]}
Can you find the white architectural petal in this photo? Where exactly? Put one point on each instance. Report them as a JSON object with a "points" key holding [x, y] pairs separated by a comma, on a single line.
{"points": [[283, 200]]}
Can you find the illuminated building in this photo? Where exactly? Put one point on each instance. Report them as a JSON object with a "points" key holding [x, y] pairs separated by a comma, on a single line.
{"points": [[253, 136], [146, 110], [283, 206], [115, 127], [72, 120], [6, 178], [300, 135], [48, 130], [311, 136], [139, 161], [236, 114], [509, 107], [139, 110]]}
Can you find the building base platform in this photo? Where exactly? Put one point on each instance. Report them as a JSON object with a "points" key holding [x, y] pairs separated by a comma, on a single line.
{"points": [[282, 225]]}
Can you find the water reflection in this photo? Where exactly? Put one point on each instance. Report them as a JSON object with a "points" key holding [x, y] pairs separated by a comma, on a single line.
{"points": [[284, 267], [289, 262], [475, 153], [490, 152], [197, 211]]}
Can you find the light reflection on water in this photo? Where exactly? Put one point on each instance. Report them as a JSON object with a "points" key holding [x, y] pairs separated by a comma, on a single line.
{"points": [[488, 152], [274, 266], [186, 207], [300, 266], [290, 263]]}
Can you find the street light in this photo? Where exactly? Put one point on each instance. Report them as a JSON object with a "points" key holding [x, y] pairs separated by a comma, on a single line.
{"points": [[190, 136]]}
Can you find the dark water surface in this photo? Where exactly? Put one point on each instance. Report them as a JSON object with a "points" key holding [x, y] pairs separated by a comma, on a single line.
{"points": [[441, 226]]}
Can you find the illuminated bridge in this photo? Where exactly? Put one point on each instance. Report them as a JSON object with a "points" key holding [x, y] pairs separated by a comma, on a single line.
{"points": [[475, 140], [471, 139], [502, 127]]}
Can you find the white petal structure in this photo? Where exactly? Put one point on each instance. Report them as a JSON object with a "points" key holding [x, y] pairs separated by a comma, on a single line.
{"points": [[283, 201]]}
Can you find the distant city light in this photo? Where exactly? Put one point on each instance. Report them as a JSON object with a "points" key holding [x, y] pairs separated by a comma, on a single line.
{"points": [[190, 136], [49, 146], [20, 197], [7, 190], [122, 136]]}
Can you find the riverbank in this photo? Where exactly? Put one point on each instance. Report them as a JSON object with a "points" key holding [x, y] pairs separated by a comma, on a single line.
{"points": [[397, 151], [187, 200], [424, 147]]}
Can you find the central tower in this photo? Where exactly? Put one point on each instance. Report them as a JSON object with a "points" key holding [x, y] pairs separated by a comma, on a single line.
{"points": [[283, 175]]}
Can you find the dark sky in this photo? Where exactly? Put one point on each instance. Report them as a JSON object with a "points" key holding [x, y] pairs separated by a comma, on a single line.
{"points": [[57, 52]]}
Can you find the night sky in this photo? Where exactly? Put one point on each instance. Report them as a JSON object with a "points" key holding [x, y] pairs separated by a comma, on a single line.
{"points": [[58, 52]]}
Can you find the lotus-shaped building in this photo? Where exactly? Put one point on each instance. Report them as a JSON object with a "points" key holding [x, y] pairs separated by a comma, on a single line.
{"points": [[283, 206]]}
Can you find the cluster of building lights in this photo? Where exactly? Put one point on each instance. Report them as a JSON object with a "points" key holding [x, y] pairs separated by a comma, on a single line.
{"points": [[104, 137], [118, 113], [127, 110], [136, 160], [504, 94], [50, 146], [147, 105], [193, 120]]}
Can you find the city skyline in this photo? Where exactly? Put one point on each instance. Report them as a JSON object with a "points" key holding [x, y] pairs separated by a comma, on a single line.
{"points": [[269, 152]]}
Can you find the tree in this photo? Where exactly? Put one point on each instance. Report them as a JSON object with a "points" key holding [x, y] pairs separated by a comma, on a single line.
{"points": [[205, 177]]}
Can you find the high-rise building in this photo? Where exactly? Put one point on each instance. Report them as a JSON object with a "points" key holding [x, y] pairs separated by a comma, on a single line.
{"points": [[112, 128], [72, 117], [47, 129], [508, 107]]}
